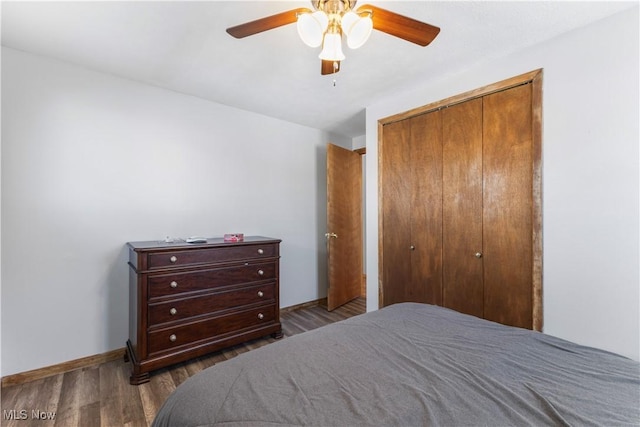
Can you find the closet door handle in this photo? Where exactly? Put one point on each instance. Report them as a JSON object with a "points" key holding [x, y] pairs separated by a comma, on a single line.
{"points": [[478, 255], [413, 248]]}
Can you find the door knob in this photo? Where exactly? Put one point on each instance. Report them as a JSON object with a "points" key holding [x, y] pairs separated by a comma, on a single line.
{"points": [[413, 248], [478, 255], [334, 235]]}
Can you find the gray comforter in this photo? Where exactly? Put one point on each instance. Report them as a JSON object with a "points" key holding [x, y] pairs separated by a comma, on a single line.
{"points": [[412, 365]]}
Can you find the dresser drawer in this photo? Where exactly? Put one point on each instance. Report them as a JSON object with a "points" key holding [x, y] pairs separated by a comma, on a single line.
{"points": [[189, 334], [161, 285], [185, 308], [200, 255]]}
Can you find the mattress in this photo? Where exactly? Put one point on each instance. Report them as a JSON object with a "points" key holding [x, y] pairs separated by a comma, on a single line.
{"points": [[412, 364]]}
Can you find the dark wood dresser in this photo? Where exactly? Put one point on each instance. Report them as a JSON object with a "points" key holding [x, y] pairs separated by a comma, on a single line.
{"points": [[186, 300]]}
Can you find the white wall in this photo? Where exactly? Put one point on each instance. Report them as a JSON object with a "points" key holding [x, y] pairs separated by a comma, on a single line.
{"points": [[590, 177], [91, 161]]}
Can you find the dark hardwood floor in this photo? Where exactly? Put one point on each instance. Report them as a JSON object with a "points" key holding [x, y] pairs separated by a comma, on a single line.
{"points": [[102, 396]]}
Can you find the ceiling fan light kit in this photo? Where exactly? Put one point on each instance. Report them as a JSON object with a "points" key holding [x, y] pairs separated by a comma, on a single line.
{"points": [[330, 19], [326, 28]]}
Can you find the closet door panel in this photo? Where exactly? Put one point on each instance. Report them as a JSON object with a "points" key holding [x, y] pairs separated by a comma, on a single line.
{"points": [[395, 191], [462, 207], [426, 208], [507, 200]]}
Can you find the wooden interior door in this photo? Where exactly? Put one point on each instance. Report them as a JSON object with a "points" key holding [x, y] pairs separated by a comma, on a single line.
{"points": [[344, 225], [462, 207], [508, 206]]}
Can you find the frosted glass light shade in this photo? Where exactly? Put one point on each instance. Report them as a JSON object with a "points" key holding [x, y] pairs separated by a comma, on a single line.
{"points": [[347, 22], [311, 27], [359, 32], [332, 48]]}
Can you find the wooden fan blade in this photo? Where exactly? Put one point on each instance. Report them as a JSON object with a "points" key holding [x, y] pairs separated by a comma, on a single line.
{"points": [[401, 26], [267, 23], [328, 68]]}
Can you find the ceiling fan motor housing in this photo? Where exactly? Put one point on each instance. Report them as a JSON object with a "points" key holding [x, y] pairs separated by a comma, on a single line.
{"points": [[333, 6]]}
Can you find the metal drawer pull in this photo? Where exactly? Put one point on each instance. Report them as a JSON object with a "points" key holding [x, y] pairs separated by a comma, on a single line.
{"points": [[260, 316], [260, 294], [173, 259], [260, 251], [260, 272], [172, 338], [173, 311], [174, 284]]}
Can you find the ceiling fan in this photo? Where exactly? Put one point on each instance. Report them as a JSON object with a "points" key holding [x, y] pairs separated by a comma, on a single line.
{"points": [[331, 19]]}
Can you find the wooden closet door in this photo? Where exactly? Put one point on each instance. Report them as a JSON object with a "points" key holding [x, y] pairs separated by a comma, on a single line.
{"points": [[504, 283], [426, 208], [411, 188], [462, 208], [395, 201], [508, 204]]}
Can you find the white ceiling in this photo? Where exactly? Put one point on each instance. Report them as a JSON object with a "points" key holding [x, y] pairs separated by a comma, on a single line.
{"points": [[183, 46]]}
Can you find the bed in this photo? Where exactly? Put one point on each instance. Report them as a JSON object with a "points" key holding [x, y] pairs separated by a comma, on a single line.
{"points": [[412, 364]]}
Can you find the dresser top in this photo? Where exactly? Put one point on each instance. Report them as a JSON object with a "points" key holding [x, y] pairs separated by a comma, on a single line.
{"points": [[211, 242]]}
